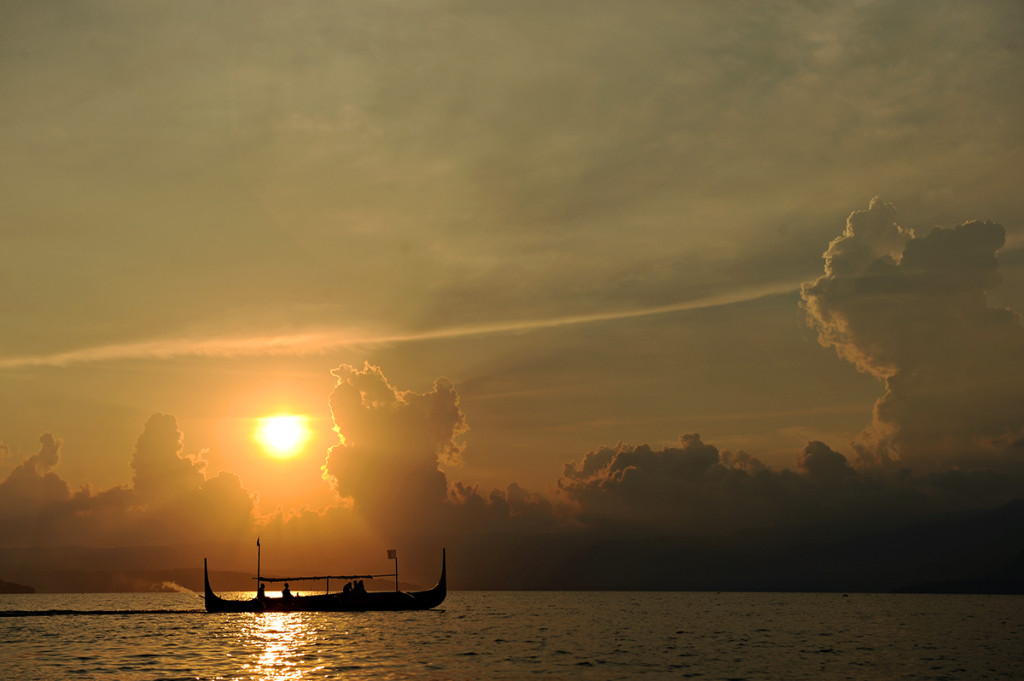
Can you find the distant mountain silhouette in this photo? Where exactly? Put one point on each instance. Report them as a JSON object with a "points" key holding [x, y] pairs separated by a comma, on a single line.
{"points": [[977, 552], [995, 577], [13, 588]]}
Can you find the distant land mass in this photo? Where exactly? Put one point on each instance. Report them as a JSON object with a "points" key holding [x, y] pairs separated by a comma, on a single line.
{"points": [[14, 588], [971, 552], [966, 552], [1009, 580]]}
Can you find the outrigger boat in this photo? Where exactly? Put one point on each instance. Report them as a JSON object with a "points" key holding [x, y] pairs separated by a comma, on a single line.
{"points": [[348, 600]]}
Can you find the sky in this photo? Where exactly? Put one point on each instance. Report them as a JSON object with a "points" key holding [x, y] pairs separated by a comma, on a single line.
{"points": [[687, 268]]}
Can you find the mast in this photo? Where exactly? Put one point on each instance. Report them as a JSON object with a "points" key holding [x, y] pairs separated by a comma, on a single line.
{"points": [[393, 555]]}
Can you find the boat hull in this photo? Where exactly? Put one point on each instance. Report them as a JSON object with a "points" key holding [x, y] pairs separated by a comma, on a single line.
{"points": [[336, 602]]}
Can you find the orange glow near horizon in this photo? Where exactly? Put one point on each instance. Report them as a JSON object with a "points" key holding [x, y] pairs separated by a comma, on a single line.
{"points": [[282, 436]]}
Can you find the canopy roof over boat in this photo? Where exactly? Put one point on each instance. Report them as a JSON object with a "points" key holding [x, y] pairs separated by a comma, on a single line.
{"points": [[299, 579]]}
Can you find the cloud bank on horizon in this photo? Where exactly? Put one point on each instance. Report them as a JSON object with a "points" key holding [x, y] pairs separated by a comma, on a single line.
{"points": [[909, 309]]}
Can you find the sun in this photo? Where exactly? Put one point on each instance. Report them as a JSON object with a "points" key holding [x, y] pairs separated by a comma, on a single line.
{"points": [[283, 435]]}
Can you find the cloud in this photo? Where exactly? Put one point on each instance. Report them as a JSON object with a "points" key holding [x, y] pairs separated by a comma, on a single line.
{"points": [[391, 470], [171, 500], [684, 489], [912, 311], [397, 463], [396, 451], [694, 489], [324, 340], [173, 494], [395, 448], [821, 462], [388, 465], [159, 468], [392, 444], [32, 487]]}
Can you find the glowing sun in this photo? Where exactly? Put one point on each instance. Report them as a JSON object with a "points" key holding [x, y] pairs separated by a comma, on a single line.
{"points": [[282, 436]]}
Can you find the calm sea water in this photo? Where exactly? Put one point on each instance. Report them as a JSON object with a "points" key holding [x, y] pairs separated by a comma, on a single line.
{"points": [[517, 635]]}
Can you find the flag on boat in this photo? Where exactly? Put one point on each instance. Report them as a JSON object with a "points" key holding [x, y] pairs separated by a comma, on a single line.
{"points": [[392, 554], [257, 541]]}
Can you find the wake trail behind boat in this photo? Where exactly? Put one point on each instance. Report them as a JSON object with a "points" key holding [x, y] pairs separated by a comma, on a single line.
{"points": [[54, 613]]}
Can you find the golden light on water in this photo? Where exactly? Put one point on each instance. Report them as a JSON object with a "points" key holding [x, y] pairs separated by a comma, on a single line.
{"points": [[287, 646], [282, 435]]}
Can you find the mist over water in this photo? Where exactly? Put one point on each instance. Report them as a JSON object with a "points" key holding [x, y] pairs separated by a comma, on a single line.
{"points": [[511, 635]]}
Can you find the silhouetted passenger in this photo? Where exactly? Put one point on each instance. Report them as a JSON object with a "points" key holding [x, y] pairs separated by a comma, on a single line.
{"points": [[348, 588], [286, 592], [261, 593]]}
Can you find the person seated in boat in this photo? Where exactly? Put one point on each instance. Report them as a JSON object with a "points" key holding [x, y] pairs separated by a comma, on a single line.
{"points": [[359, 588], [261, 593], [286, 592], [348, 588]]}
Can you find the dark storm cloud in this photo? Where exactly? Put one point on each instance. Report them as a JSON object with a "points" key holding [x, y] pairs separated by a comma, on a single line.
{"points": [[912, 311]]}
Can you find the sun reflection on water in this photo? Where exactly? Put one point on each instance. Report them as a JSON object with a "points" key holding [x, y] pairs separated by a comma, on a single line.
{"points": [[286, 647]]}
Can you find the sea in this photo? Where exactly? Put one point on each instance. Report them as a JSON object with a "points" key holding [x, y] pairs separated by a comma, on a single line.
{"points": [[522, 635]]}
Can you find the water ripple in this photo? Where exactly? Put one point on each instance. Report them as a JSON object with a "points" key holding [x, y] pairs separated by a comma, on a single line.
{"points": [[590, 636]]}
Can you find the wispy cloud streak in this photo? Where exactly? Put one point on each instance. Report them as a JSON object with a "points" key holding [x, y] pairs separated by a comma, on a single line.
{"points": [[319, 341]]}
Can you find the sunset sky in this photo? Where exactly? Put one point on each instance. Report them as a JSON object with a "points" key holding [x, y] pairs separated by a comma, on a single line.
{"points": [[528, 247]]}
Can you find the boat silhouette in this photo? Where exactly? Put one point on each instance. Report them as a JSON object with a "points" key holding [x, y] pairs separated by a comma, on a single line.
{"points": [[348, 600]]}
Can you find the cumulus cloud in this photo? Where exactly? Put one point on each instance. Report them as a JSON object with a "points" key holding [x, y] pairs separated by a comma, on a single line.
{"points": [[912, 311], [686, 488], [694, 489], [394, 449], [392, 443], [396, 446], [821, 462], [173, 494], [33, 487], [689, 504], [160, 469], [171, 499], [397, 449]]}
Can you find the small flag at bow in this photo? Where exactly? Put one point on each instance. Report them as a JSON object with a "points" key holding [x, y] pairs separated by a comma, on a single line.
{"points": [[257, 541], [392, 554]]}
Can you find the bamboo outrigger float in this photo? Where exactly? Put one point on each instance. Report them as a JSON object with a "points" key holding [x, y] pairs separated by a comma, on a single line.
{"points": [[349, 600]]}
